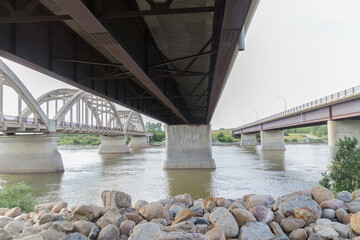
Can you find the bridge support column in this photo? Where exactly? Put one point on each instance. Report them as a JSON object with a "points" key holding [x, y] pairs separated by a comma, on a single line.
{"points": [[30, 154], [340, 129], [248, 139], [113, 145], [139, 142], [272, 140], [188, 146]]}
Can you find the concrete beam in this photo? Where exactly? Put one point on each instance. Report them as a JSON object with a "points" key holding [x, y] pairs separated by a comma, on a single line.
{"points": [[340, 129], [139, 142], [189, 147], [113, 145], [30, 154], [248, 139], [272, 140]]}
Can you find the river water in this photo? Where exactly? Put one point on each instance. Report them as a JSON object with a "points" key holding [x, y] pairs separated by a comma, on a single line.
{"points": [[239, 171]]}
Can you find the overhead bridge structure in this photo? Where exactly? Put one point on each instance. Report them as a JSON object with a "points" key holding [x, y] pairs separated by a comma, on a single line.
{"points": [[168, 59], [29, 141], [340, 111]]}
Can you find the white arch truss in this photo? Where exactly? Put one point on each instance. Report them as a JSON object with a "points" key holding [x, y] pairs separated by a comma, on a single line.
{"points": [[67, 110]]}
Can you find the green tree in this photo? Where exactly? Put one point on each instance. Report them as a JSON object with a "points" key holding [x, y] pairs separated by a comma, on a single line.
{"points": [[345, 169], [18, 195], [153, 127]]}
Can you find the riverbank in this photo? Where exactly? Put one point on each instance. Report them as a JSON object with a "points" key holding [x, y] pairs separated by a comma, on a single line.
{"points": [[307, 214]]}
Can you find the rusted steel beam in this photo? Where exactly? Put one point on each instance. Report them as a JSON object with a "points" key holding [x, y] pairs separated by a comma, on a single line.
{"points": [[81, 14], [127, 14]]}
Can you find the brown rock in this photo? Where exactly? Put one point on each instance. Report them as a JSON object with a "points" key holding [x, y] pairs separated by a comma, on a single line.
{"points": [[278, 216], [216, 234], [299, 234], [306, 214], [355, 222], [291, 224], [126, 226], [242, 216], [58, 207], [210, 203], [133, 217], [223, 202], [14, 212], [3, 211], [154, 210], [182, 216], [116, 198], [83, 227], [321, 194], [262, 214], [332, 204], [179, 235], [86, 212], [346, 218]]}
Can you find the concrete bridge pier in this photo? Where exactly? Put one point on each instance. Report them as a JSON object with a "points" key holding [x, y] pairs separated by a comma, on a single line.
{"points": [[189, 147], [139, 142], [113, 145], [272, 140], [30, 154], [340, 129], [248, 139]]}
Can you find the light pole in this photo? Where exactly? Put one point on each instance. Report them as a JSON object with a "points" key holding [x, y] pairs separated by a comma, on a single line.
{"points": [[284, 101], [257, 115]]}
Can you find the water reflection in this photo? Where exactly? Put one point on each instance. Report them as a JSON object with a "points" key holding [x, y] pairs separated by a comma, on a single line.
{"points": [[52, 180], [274, 160], [197, 183]]}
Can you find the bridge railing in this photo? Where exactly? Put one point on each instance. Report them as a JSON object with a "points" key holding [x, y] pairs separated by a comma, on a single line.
{"points": [[28, 120], [329, 98]]}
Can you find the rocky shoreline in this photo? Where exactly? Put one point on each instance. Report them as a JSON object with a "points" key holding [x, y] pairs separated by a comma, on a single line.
{"points": [[308, 214]]}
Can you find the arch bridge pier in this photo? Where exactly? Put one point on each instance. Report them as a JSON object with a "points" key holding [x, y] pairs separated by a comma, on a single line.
{"points": [[29, 140]]}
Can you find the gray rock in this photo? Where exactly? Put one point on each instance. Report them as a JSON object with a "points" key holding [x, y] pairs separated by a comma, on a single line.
{"points": [[32, 237], [5, 235], [144, 231], [197, 210], [255, 231], [94, 232], [202, 221], [315, 236], [202, 228], [223, 219], [342, 229], [298, 201], [340, 213], [179, 235], [52, 234], [291, 224], [45, 218], [119, 220], [344, 196], [116, 198], [140, 203], [262, 214], [354, 207], [183, 198], [46, 207], [110, 232], [325, 231], [75, 236], [86, 212], [28, 231], [328, 213], [14, 228], [63, 226]]}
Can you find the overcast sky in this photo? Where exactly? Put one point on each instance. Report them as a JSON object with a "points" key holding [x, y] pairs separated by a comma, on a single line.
{"points": [[298, 49]]}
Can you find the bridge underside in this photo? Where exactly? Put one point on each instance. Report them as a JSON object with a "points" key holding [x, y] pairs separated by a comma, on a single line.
{"points": [[167, 59]]}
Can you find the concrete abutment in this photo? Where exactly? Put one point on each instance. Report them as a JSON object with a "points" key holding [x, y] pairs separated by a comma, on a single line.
{"points": [[30, 154], [340, 129], [189, 147], [248, 139], [272, 140], [113, 145], [139, 142]]}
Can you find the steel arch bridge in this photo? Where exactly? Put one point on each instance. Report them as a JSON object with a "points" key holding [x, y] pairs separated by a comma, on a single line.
{"points": [[64, 111]]}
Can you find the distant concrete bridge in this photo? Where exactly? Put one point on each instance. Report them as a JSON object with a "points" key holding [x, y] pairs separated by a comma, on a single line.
{"points": [[30, 138], [340, 111]]}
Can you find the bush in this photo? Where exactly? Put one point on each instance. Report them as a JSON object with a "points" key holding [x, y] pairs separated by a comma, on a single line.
{"points": [[18, 195], [344, 174]]}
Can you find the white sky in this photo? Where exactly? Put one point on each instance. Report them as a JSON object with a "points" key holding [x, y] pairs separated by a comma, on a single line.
{"points": [[298, 49]]}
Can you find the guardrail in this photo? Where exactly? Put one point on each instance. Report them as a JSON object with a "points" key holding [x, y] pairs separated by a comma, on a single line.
{"points": [[329, 98]]}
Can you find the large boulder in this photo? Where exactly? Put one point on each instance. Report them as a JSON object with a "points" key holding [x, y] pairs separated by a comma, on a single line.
{"points": [[287, 206], [180, 236], [321, 194], [262, 214], [223, 219], [306, 214], [115, 198], [86, 212], [154, 210], [355, 222], [242, 216], [83, 227], [110, 232], [255, 231], [145, 231], [291, 224]]}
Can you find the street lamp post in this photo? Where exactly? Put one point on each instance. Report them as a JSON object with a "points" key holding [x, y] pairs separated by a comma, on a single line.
{"points": [[257, 115], [284, 101]]}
